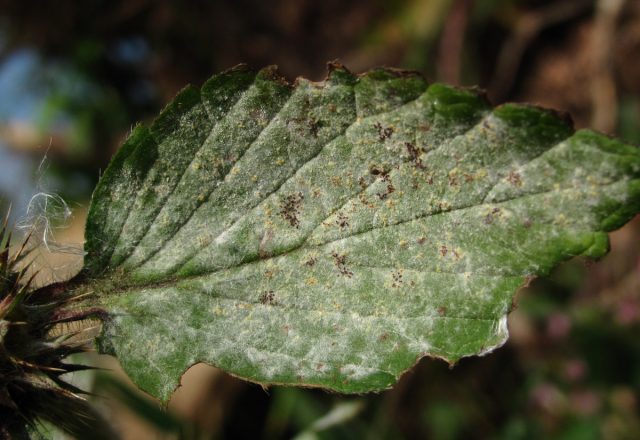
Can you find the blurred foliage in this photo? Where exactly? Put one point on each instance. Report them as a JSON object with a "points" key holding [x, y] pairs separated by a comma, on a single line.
{"points": [[85, 72]]}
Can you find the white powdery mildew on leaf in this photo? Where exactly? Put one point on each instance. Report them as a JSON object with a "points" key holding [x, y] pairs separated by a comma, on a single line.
{"points": [[332, 234]]}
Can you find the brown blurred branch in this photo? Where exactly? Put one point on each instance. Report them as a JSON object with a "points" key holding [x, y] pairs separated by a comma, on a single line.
{"points": [[603, 85], [452, 42], [526, 28]]}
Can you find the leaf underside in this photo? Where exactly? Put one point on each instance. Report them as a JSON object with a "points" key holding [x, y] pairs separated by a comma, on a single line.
{"points": [[331, 234]]}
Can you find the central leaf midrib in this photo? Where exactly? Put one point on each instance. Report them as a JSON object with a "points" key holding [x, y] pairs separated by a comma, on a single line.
{"points": [[297, 308], [124, 287]]}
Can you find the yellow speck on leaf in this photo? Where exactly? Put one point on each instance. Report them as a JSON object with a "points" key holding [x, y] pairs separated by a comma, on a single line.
{"points": [[561, 219], [481, 173]]}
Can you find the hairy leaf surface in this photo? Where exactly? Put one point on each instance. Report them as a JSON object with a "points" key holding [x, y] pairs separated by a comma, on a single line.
{"points": [[331, 234]]}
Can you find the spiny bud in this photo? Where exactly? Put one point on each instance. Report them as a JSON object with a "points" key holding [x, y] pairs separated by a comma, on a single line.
{"points": [[33, 349]]}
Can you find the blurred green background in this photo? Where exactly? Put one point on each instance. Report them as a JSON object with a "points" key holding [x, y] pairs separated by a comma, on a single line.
{"points": [[76, 75]]}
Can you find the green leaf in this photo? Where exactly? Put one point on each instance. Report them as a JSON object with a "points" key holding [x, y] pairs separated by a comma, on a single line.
{"points": [[331, 234]]}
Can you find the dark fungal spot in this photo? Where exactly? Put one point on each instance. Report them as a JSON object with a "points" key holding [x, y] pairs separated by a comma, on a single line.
{"points": [[429, 178], [383, 132], [314, 125], [383, 337], [397, 278], [362, 197], [305, 126], [342, 221], [310, 262], [514, 179], [257, 115], [443, 250], [390, 189], [414, 155], [442, 311], [489, 218], [290, 208], [340, 261], [267, 298]]}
